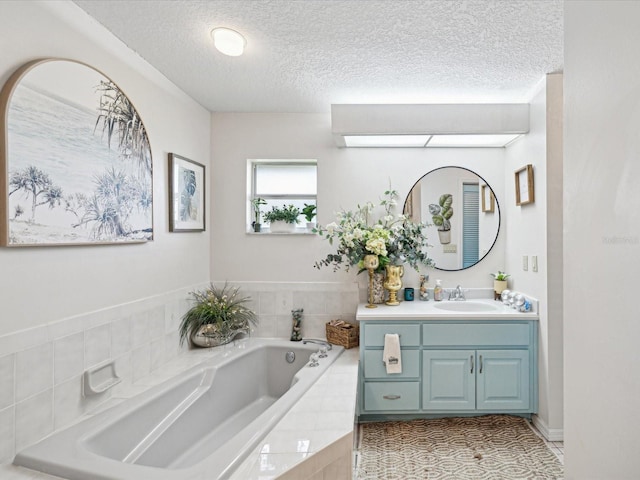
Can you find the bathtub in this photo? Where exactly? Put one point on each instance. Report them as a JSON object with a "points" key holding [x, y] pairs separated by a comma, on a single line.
{"points": [[199, 425]]}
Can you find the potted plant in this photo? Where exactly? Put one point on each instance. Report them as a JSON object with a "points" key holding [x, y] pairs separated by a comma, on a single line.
{"points": [[282, 219], [256, 202], [309, 211], [441, 215], [217, 316], [499, 281]]}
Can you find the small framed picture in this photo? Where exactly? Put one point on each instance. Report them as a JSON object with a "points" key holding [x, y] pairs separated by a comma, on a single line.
{"points": [[186, 195], [488, 200], [524, 185]]}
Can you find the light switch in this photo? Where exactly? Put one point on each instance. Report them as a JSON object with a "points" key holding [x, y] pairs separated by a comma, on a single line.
{"points": [[534, 263], [525, 263]]}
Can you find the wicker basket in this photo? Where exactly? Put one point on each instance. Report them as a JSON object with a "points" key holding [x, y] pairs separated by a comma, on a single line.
{"points": [[347, 337]]}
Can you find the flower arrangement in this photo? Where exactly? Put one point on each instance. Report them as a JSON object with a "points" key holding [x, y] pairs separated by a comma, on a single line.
{"points": [[222, 308], [394, 239]]}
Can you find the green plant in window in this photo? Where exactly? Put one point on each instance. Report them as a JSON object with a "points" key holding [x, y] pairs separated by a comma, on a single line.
{"points": [[286, 213], [256, 203], [309, 211]]}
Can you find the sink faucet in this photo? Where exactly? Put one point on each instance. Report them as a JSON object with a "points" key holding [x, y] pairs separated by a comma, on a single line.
{"points": [[457, 294], [318, 342]]}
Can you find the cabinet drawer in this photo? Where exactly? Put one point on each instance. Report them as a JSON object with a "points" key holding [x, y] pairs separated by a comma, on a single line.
{"points": [[391, 396], [476, 334], [374, 334], [374, 367]]}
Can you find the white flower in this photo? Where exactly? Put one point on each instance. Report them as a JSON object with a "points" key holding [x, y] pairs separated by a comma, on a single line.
{"points": [[347, 239], [388, 218], [331, 228], [358, 234], [378, 226]]}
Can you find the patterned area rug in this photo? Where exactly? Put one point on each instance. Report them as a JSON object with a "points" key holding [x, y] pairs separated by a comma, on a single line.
{"points": [[492, 447]]}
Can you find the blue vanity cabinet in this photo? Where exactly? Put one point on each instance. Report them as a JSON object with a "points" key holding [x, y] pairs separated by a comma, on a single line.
{"points": [[450, 367]]}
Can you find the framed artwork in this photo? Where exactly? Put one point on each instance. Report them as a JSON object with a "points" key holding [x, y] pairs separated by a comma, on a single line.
{"points": [[524, 185], [186, 195], [488, 200], [75, 159]]}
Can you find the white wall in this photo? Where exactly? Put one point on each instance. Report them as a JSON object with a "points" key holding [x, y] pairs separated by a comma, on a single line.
{"points": [[528, 235], [346, 177], [41, 285], [602, 235]]}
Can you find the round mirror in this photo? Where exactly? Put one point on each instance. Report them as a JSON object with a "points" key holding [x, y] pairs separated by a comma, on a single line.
{"points": [[463, 214]]}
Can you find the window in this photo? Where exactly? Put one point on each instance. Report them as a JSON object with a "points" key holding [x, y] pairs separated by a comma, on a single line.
{"points": [[282, 182]]}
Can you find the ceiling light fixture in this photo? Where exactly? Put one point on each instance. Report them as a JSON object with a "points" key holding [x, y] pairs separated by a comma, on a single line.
{"points": [[228, 41]]}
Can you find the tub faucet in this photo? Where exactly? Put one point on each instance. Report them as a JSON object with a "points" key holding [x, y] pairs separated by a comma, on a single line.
{"points": [[318, 342], [457, 294]]}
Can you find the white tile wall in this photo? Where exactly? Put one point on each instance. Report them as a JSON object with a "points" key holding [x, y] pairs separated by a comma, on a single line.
{"points": [[41, 369]]}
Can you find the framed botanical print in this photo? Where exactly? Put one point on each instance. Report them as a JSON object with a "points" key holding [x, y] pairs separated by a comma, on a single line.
{"points": [[186, 195]]}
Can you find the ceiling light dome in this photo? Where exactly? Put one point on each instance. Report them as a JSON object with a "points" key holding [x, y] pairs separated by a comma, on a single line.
{"points": [[228, 41]]}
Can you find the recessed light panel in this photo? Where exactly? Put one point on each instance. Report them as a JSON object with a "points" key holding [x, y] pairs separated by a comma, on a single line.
{"points": [[386, 140], [228, 41], [472, 140]]}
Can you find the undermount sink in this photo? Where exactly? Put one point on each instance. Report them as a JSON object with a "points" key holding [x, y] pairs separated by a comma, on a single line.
{"points": [[466, 306]]}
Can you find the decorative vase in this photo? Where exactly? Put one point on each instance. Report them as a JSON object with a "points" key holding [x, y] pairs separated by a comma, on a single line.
{"points": [[256, 227], [213, 335], [445, 236], [296, 326], [393, 282], [378, 287], [282, 227]]}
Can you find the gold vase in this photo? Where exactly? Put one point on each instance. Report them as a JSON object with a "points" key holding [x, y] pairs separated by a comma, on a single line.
{"points": [[393, 282]]}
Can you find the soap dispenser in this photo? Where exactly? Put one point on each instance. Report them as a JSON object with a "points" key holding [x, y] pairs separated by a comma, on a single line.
{"points": [[437, 291]]}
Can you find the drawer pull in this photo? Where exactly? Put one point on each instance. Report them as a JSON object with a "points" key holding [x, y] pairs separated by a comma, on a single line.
{"points": [[480, 363], [391, 397], [471, 358]]}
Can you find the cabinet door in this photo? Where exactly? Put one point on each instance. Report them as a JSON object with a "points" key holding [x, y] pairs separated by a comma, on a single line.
{"points": [[448, 380], [503, 380]]}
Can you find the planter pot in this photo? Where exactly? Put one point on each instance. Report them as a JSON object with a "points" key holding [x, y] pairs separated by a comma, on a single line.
{"points": [[213, 335], [445, 236], [311, 225], [282, 227], [499, 286], [257, 227]]}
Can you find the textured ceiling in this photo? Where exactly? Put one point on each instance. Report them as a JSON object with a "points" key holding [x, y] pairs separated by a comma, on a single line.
{"points": [[304, 55]]}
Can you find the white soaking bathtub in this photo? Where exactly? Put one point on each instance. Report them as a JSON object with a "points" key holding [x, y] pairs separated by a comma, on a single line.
{"points": [[198, 425]]}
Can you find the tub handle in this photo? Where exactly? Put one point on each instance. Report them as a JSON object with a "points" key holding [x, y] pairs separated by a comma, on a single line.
{"points": [[391, 397]]}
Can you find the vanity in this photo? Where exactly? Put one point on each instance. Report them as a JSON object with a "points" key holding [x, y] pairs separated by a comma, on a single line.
{"points": [[458, 359]]}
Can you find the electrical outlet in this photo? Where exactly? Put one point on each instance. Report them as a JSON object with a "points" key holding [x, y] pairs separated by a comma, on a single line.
{"points": [[525, 263], [534, 263]]}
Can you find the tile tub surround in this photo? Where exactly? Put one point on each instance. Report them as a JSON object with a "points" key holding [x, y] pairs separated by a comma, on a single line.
{"points": [[313, 439], [42, 367]]}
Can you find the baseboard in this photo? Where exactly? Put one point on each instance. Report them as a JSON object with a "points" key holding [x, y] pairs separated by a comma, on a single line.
{"points": [[551, 434]]}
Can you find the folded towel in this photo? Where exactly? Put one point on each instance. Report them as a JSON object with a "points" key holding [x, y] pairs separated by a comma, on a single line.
{"points": [[391, 353]]}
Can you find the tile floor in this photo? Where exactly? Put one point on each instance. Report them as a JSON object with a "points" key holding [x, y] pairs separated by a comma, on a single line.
{"points": [[556, 447]]}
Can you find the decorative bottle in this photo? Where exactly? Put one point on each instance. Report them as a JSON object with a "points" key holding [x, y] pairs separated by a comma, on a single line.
{"points": [[296, 328], [424, 288], [437, 291]]}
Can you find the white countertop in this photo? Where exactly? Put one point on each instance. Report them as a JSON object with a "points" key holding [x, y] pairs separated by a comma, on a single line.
{"points": [[432, 310]]}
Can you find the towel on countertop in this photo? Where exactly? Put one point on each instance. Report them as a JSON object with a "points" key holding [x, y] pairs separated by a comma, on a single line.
{"points": [[391, 353]]}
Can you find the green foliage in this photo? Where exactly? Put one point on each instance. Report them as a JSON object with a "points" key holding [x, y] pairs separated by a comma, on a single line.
{"points": [[309, 211], [500, 276], [442, 212], [256, 202], [220, 306], [286, 213], [393, 239]]}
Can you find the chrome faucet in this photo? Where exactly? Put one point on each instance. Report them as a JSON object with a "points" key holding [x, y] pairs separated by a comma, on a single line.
{"points": [[457, 294], [318, 342]]}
